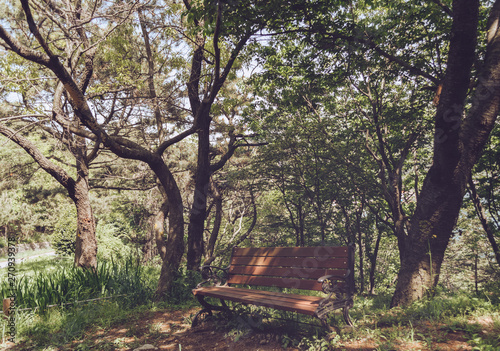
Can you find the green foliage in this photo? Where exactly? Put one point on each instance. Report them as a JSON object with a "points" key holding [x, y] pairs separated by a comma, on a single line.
{"points": [[318, 344], [63, 240], [62, 325], [111, 243], [32, 201], [443, 306], [180, 292], [491, 291]]}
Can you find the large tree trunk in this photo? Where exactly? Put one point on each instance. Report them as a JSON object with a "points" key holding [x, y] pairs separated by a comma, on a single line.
{"points": [[173, 248], [86, 241], [198, 213], [423, 250], [457, 147]]}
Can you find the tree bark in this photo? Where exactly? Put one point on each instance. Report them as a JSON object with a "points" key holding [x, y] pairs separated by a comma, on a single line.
{"points": [[86, 241], [372, 256], [173, 247], [198, 213], [217, 221], [458, 144]]}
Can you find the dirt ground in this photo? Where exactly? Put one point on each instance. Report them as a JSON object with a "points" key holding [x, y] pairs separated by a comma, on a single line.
{"points": [[170, 330]]}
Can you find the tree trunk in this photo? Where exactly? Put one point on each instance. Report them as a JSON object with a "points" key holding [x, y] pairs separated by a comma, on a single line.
{"points": [[457, 147], [428, 237], [86, 241], [361, 255], [196, 247], [173, 247], [78, 191], [372, 256], [300, 215], [217, 221]]}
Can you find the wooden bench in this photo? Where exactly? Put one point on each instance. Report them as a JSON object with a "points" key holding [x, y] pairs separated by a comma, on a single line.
{"points": [[321, 268]]}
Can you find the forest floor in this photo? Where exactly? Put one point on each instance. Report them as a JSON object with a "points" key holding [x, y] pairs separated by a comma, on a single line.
{"points": [[170, 330]]}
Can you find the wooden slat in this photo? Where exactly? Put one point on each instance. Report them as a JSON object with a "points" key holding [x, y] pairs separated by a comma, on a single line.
{"points": [[290, 283], [319, 252], [245, 291], [288, 302], [288, 272], [249, 292], [307, 262], [304, 284]]}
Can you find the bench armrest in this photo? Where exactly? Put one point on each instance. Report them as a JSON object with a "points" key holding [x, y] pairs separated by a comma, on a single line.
{"points": [[330, 286], [213, 274], [334, 277]]}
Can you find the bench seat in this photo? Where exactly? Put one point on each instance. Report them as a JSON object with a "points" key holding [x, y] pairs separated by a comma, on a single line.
{"points": [[304, 304]]}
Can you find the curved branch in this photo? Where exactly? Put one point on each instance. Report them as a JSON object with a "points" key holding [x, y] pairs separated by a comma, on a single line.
{"points": [[21, 50], [34, 28], [55, 171]]}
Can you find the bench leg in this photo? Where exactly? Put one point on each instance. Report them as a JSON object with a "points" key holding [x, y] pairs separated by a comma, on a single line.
{"points": [[207, 309], [345, 311], [328, 306], [194, 323]]}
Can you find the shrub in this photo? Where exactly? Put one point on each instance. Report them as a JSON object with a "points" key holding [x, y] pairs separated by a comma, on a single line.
{"points": [[64, 237], [182, 286], [64, 242], [110, 245]]}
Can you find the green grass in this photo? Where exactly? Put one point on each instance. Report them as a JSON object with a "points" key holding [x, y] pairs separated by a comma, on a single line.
{"points": [[59, 326], [48, 281], [425, 323]]}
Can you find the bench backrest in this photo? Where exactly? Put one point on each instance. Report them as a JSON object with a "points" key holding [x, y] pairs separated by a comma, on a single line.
{"points": [[290, 267]]}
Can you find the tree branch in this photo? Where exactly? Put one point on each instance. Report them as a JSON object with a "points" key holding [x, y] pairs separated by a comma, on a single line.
{"points": [[23, 51], [55, 171], [444, 7]]}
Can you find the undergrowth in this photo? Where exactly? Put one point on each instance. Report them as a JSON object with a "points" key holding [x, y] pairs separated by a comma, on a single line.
{"points": [[57, 302], [125, 289], [424, 325]]}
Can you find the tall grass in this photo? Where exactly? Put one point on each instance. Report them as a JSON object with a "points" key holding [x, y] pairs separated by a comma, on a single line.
{"points": [[115, 289], [68, 284]]}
